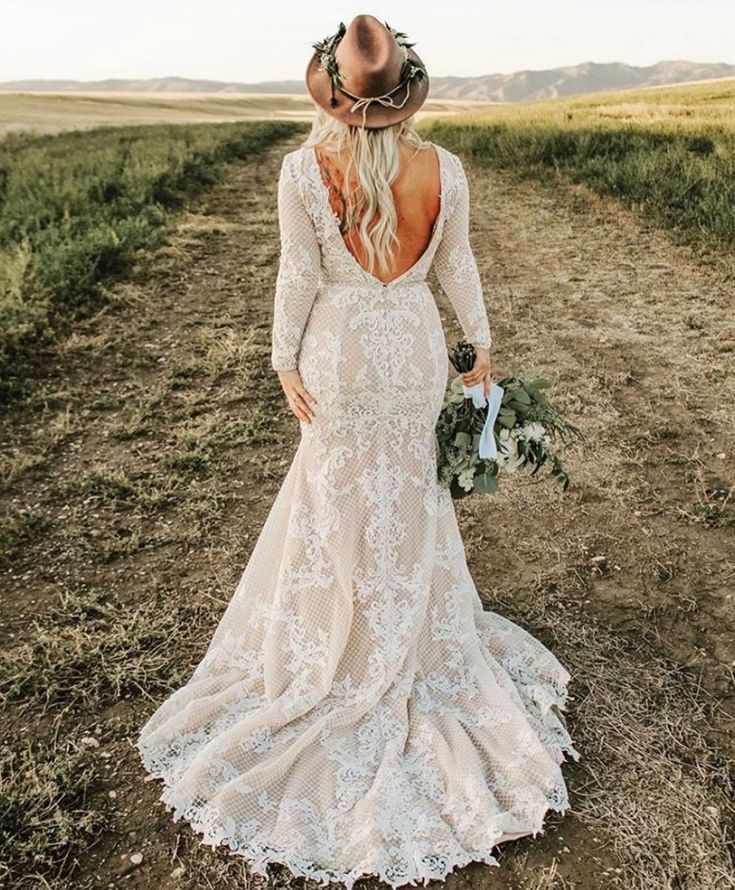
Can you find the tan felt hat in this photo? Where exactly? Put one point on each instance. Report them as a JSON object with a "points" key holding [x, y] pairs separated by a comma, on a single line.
{"points": [[367, 74]]}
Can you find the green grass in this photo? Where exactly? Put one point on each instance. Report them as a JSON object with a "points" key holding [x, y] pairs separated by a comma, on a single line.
{"points": [[77, 209], [668, 153]]}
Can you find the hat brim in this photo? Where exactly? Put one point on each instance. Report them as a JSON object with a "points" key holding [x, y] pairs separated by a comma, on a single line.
{"points": [[319, 85]]}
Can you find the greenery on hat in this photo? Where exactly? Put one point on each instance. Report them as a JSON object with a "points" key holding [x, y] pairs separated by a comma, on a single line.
{"points": [[324, 50], [411, 68]]}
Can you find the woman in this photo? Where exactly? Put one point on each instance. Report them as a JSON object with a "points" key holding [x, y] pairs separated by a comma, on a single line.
{"points": [[357, 712]]}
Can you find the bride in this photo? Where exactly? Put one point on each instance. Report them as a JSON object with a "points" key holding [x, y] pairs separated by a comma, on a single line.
{"points": [[357, 711]]}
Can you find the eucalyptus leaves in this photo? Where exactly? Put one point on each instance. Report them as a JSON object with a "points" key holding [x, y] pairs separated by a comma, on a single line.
{"points": [[526, 427]]}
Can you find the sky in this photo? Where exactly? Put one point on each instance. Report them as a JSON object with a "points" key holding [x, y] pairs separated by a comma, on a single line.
{"points": [[246, 41]]}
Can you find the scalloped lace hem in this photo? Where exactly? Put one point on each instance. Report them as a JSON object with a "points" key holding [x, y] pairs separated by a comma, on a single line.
{"points": [[546, 699], [433, 867]]}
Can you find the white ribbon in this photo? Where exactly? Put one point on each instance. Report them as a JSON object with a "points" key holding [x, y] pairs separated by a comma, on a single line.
{"points": [[386, 100], [487, 447]]}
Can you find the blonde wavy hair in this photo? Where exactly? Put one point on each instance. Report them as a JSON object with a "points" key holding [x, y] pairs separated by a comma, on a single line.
{"points": [[374, 156]]}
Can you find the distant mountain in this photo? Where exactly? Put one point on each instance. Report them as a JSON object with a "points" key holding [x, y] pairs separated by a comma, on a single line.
{"points": [[155, 85], [522, 86], [590, 77]]}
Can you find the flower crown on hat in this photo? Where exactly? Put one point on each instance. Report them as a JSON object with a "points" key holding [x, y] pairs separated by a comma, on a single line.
{"points": [[325, 49]]}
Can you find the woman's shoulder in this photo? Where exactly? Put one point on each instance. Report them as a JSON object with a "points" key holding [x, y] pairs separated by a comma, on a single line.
{"points": [[451, 161], [454, 171], [294, 161]]}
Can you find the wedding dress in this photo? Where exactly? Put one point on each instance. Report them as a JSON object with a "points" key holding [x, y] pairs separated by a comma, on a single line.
{"points": [[357, 711]]}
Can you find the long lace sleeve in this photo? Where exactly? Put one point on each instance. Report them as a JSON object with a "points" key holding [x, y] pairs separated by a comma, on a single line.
{"points": [[298, 271], [456, 267]]}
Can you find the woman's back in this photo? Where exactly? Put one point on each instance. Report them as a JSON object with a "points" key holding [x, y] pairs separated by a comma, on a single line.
{"points": [[416, 194], [318, 270]]}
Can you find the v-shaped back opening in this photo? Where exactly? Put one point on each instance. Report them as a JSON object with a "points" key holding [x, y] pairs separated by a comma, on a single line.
{"points": [[335, 220]]}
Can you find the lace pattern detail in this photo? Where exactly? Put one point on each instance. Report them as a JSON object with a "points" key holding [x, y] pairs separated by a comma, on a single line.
{"points": [[298, 270]]}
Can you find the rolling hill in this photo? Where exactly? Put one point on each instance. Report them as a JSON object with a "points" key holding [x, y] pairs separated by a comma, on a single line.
{"points": [[521, 86]]}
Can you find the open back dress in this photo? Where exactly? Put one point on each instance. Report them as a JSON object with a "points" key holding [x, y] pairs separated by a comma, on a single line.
{"points": [[358, 711]]}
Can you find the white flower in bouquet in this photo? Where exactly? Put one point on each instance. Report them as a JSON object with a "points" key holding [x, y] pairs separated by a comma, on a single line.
{"points": [[467, 478], [533, 432]]}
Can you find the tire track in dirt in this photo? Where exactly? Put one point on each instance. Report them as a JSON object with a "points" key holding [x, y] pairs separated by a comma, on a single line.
{"points": [[153, 456]]}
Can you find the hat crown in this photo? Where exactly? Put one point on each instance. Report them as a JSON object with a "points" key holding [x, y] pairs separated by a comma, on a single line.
{"points": [[367, 74], [369, 58]]}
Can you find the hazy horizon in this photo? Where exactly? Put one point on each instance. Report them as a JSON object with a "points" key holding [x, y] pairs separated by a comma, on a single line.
{"points": [[184, 76], [72, 40]]}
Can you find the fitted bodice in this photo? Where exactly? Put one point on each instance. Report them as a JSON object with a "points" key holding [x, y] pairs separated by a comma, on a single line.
{"points": [[316, 265]]}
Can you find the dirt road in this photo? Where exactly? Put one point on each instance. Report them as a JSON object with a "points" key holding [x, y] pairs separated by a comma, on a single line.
{"points": [[137, 481]]}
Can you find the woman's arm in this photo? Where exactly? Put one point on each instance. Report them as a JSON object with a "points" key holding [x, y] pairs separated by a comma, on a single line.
{"points": [[296, 286], [456, 269], [298, 272]]}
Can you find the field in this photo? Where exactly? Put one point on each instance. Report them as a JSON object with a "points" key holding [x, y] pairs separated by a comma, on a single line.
{"points": [[669, 153], [52, 112], [140, 459], [76, 210]]}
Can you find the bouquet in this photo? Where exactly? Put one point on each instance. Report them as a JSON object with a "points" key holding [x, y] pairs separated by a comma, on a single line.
{"points": [[479, 438]]}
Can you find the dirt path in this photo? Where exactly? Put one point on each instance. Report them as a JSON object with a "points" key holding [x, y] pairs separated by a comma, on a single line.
{"points": [[640, 341], [641, 344], [137, 483]]}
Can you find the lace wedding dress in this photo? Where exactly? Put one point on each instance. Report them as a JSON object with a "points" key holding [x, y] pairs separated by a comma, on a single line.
{"points": [[357, 712]]}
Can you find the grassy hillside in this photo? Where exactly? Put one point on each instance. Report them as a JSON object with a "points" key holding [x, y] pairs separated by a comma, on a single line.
{"points": [[76, 209], [55, 112], [668, 152]]}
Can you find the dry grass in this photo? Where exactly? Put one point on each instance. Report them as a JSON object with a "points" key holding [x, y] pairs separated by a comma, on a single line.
{"points": [[45, 813], [654, 784], [53, 112], [681, 108], [91, 652]]}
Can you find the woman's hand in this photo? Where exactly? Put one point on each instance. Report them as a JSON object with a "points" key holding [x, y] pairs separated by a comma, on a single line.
{"points": [[299, 400], [480, 372]]}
